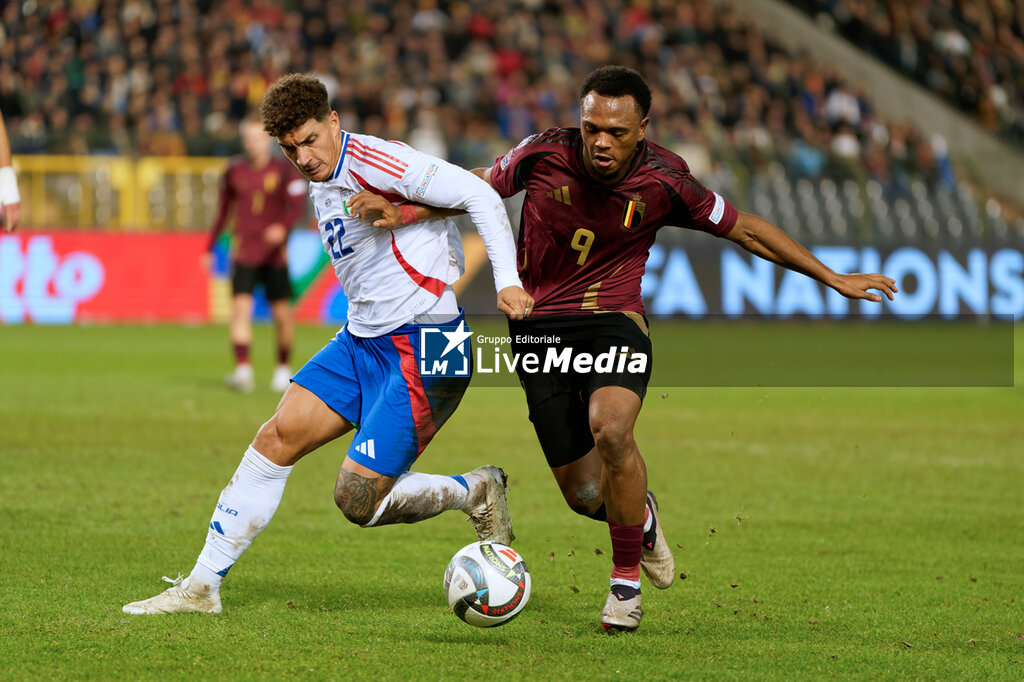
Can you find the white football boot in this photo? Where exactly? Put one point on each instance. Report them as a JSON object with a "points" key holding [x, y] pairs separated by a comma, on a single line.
{"points": [[282, 377], [622, 609], [241, 379], [181, 597], [487, 506], [656, 557]]}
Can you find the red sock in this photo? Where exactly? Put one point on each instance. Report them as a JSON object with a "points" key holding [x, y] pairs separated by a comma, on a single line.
{"points": [[626, 548], [283, 353], [241, 353]]}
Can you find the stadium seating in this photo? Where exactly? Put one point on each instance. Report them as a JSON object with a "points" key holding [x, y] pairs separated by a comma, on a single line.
{"points": [[163, 78], [967, 52]]}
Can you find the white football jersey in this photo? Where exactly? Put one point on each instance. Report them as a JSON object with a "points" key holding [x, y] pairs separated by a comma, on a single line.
{"points": [[390, 276]]}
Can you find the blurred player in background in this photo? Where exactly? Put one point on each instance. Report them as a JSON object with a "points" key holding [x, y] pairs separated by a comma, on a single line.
{"points": [[397, 281], [268, 196], [10, 200], [595, 198]]}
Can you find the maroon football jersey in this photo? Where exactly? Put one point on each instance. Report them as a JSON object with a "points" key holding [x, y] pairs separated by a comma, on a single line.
{"points": [[582, 244], [262, 197]]}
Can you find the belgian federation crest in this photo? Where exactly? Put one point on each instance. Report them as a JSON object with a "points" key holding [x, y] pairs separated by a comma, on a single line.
{"points": [[633, 213]]}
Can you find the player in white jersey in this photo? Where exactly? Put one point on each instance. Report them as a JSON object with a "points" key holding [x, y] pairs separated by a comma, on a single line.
{"points": [[397, 273], [389, 276]]}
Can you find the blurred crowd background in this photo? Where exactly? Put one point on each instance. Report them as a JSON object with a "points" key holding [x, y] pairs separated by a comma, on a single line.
{"points": [[971, 52], [466, 79]]}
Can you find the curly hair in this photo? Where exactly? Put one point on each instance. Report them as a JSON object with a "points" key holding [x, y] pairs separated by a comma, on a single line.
{"points": [[291, 101], [619, 81]]}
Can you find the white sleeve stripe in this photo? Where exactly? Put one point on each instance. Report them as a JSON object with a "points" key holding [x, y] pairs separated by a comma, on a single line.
{"points": [[719, 209]]}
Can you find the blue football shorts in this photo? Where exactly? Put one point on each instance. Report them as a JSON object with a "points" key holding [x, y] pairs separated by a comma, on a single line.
{"points": [[375, 384]]}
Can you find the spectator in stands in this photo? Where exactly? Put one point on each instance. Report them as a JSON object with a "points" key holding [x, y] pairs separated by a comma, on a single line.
{"points": [[968, 52], [169, 78]]}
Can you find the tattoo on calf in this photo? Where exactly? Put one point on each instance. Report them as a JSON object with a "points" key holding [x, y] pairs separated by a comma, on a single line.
{"points": [[357, 496]]}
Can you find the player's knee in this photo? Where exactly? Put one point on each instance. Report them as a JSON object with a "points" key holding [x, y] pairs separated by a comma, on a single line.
{"points": [[580, 508], [612, 436], [269, 435], [273, 442], [583, 499], [577, 506], [287, 435], [360, 515]]}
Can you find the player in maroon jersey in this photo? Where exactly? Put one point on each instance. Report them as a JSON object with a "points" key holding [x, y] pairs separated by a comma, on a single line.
{"points": [[268, 196], [595, 198]]}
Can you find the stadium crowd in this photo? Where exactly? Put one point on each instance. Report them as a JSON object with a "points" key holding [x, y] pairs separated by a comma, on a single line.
{"points": [[969, 51], [458, 79]]}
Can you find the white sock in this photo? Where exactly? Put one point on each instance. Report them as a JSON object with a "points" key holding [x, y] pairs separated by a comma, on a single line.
{"points": [[416, 497], [244, 509]]}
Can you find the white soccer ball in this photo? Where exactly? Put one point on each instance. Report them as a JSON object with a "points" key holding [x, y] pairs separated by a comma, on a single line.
{"points": [[487, 584]]}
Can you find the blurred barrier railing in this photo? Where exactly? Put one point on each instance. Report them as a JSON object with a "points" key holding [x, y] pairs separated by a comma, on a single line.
{"points": [[118, 192], [180, 193]]}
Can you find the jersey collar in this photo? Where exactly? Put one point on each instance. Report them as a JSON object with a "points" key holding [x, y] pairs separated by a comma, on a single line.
{"points": [[341, 157]]}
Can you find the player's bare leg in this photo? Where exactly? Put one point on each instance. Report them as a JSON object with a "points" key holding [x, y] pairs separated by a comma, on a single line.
{"points": [[613, 411], [240, 327], [284, 331], [240, 331], [580, 483], [369, 499], [301, 423]]}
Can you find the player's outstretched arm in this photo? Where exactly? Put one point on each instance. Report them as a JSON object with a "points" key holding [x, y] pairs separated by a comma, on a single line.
{"points": [[761, 238], [515, 298], [437, 183], [456, 188]]}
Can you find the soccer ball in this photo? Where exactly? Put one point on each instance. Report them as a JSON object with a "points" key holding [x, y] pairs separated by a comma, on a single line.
{"points": [[487, 584]]}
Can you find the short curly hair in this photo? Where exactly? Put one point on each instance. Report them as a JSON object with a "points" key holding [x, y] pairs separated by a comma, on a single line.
{"points": [[291, 101], [619, 81]]}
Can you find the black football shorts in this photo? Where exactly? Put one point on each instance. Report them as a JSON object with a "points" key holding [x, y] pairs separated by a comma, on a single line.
{"points": [[558, 400], [274, 279]]}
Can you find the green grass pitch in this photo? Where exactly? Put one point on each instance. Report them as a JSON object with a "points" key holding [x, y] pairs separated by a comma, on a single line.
{"points": [[867, 533]]}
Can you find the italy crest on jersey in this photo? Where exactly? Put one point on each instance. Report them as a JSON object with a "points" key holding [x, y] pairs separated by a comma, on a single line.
{"points": [[633, 213]]}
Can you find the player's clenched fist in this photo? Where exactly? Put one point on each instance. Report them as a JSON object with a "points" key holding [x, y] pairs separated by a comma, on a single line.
{"points": [[515, 302], [375, 209]]}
